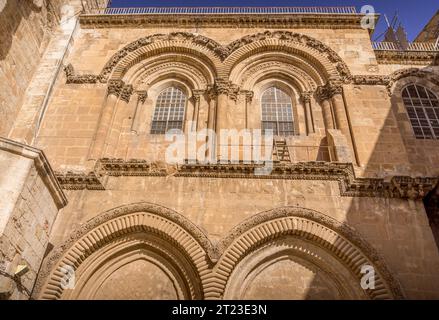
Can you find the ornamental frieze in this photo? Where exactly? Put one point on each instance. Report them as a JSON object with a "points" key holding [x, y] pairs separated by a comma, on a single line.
{"points": [[350, 186], [223, 52]]}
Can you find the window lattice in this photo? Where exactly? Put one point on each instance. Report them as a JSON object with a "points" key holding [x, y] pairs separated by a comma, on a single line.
{"points": [[277, 112], [169, 111], [423, 110]]}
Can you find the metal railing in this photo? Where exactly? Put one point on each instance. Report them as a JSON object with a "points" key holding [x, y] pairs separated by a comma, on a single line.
{"points": [[222, 10], [412, 46], [297, 153]]}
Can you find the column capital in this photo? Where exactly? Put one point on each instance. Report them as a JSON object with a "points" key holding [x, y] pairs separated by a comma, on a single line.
{"points": [[197, 93], [226, 87], [142, 95], [248, 95], [119, 89], [306, 96], [330, 89], [115, 87]]}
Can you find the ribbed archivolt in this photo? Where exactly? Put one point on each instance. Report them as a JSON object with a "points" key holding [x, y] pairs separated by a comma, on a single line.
{"points": [[300, 227], [213, 265], [120, 226]]}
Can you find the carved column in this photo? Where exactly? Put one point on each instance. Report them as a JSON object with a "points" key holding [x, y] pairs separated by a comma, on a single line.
{"points": [[328, 118], [116, 91], [341, 120], [115, 127], [222, 90], [211, 125], [195, 115], [248, 100], [141, 98], [306, 99]]}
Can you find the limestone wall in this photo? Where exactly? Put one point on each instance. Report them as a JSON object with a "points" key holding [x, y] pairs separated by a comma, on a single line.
{"points": [[398, 229], [30, 200]]}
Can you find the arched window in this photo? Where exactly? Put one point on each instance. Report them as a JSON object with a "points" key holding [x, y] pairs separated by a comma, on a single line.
{"points": [[423, 110], [169, 111], [277, 112]]}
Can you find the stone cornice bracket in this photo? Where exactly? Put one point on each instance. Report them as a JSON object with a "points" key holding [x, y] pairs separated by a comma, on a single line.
{"points": [[72, 78], [119, 89], [79, 181]]}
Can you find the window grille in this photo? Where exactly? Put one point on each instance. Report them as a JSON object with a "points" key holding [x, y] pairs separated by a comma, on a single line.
{"points": [[277, 112], [423, 111], [169, 111]]}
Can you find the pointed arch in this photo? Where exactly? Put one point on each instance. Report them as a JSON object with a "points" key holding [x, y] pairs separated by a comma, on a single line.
{"points": [[102, 231], [325, 60], [337, 238]]}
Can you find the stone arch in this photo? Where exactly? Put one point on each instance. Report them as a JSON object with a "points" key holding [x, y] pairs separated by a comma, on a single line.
{"points": [[198, 46], [194, 70], [325, 60], [105, 230], [401, 78], [334, 237]]}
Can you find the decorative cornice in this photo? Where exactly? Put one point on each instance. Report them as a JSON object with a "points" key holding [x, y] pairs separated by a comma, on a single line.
{"points": [[390, 80], [320, 21], [406, 57], [72, 78], [350, 185], [79, 181]]}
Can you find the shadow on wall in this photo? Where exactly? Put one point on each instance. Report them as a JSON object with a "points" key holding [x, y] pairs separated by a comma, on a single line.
{"points": [[12, 12], [408, 231]]}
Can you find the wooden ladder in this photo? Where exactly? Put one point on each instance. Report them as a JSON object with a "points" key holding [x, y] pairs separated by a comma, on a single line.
{"points": [[281, 151]]}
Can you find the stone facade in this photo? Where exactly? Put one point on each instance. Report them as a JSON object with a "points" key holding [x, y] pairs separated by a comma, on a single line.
{"points": [[356, 189]]}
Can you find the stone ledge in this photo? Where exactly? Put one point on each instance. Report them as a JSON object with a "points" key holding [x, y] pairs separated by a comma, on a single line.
{"points": [[313, 20], [42, 165], [350, 186]]}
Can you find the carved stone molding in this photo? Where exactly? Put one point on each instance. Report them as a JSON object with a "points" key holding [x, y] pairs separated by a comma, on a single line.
{"points": [[79, 79], [405, 57], [214, 263], [249, 95], [329, 90], [142, 96], [223, 52], [350, 185], [126, 93], [306, 96], [301, 76], [336, 21], [390, 80], [163, 222], [119, 89], [79, 181], [222, 86]]}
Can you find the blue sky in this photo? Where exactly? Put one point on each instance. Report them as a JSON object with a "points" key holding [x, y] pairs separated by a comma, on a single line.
{"points": [[413, 14]]}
